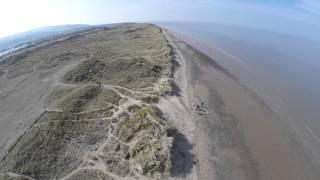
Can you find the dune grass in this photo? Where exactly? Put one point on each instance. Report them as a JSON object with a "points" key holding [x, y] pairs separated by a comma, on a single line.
{"points": [[113, 126]]}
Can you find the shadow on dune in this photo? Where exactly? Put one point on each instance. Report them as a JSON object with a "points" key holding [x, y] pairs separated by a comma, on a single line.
{"points": [[176, 91], [181, 156]]}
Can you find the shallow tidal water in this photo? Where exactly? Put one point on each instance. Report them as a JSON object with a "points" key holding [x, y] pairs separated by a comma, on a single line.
{"points": [[282, 69]]}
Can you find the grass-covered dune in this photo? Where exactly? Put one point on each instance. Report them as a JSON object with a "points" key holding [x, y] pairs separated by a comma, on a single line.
{"points": [[104, 124]]}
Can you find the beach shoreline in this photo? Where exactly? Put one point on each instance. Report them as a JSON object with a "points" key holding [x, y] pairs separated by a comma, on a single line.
{"points": [[239, 136], [224, 125]]}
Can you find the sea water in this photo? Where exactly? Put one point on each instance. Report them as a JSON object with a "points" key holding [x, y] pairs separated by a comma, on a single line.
{"points": [[286, 67]]}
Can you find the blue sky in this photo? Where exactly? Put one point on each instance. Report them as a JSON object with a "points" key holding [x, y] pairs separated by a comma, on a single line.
{"points": [[282, 15]]}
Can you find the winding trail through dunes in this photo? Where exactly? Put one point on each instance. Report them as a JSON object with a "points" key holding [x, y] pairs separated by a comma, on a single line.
{"points": [[97, 163], [58, 123], [93, 161]]}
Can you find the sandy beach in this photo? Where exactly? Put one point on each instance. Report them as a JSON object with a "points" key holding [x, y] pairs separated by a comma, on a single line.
{"points": [[237, 134], [224, 126]]}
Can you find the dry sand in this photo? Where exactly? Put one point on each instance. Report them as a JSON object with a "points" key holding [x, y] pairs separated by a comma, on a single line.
{"points": [[236, 134], [178, 110]]}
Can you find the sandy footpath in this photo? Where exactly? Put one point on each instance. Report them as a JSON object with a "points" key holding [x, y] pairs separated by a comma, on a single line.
{"points": [[225, 131], [22, 101], [178, 110], [236, 135]]}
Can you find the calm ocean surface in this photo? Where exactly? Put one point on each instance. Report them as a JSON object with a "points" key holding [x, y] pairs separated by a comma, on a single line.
{"points": [[286, 67]]}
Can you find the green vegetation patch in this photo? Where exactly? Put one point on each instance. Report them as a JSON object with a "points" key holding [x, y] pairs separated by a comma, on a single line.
{"points": [[89, 70], [80, 99], [8, 177], [134, 108], [134, 56], [54, 148], [150, 98], [129, 128], [116, 165], [107, 98], [87, 174], [130, 72], [117, 149], [123, 91], [65, 116], [151, 155], [156, 114]]}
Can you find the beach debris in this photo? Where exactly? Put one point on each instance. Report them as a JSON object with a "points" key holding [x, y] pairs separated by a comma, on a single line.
{"points": [[201, 109]]}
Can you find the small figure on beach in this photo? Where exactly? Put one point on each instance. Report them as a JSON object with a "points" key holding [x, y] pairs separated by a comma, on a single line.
{"points": [[201, 109], [99, 83]]}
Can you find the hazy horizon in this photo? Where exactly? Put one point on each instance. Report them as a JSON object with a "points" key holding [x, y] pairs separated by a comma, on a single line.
{"points": [[222, 89], [298, 17]]}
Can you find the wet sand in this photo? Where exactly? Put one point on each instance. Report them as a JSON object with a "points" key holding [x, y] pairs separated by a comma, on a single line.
{"points": [[238, 135]]}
